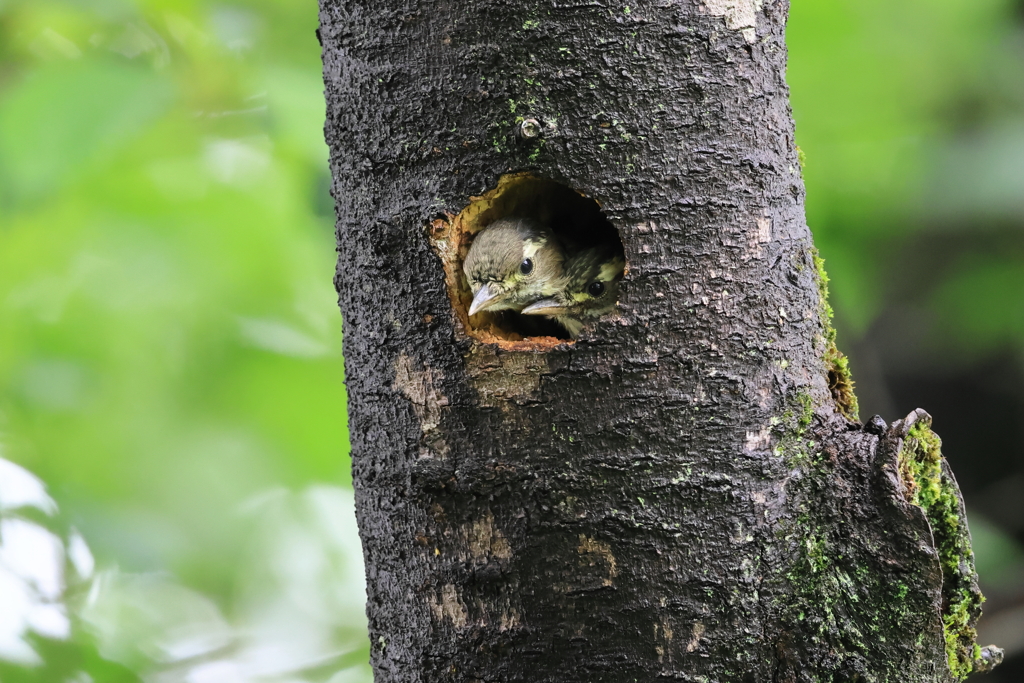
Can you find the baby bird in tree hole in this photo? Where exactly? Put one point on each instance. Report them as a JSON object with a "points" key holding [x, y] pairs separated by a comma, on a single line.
{"points": [[512, 263], [587, 290]]}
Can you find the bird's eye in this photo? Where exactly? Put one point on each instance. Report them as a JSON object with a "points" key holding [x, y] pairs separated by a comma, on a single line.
{"points": [[526, 267], [596, 288]]}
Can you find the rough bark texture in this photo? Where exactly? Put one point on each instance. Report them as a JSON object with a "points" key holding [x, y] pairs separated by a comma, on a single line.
{"points": [[681, 493]]}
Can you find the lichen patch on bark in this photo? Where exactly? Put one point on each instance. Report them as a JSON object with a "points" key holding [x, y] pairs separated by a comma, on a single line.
{"points": [[597, 555], [748, 239], [421, 388], [448, 606], [740, 15], [758, 440], [695, 636], [501, 377], [485, 541], [759, 237]]}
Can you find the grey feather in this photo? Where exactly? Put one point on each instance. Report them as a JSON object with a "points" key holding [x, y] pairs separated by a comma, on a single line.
{"points": [[496, 258], [588, 289]]}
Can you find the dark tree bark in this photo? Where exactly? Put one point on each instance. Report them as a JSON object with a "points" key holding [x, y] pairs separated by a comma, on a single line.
{"points": [[684, 492]]}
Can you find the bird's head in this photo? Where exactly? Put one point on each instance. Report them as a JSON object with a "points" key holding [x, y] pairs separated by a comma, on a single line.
{"points": [[588, 289], [512, 263]]}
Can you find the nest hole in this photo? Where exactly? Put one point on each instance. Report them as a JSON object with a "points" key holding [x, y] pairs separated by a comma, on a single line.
{"points": [[574, 219]]}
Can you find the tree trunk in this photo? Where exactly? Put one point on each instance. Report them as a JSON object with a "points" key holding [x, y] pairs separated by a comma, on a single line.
{"points": [[683, 492]]}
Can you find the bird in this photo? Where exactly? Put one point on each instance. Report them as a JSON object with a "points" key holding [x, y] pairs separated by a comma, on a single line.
{"points": [[588, 289], [512, 263]]}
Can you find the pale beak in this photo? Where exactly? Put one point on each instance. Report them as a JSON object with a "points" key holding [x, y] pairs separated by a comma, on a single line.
{"points": [[544, 307], [483, 298]]}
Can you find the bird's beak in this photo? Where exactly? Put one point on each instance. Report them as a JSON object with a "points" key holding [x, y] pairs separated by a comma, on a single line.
{"points": [[544, 307], [482, 299]]}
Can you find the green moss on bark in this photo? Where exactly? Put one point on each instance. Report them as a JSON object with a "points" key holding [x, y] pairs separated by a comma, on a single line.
{"points": [[851, 591], [840, 381], [793, 444], [835, 597], [930, 486]]}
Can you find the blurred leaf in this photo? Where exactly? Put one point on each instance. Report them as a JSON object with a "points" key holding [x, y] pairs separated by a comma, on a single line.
{"points": [[60, 118], [76, 661], [171, 344], [881, 94], [297, 109]]}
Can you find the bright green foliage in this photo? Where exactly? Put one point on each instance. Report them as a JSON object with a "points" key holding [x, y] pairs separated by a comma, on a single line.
{"points": [[170, 345], [170, 341], [911, 116]]}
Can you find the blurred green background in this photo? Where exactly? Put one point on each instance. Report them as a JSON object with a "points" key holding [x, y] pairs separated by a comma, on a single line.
{"points": [[170, 360]]}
